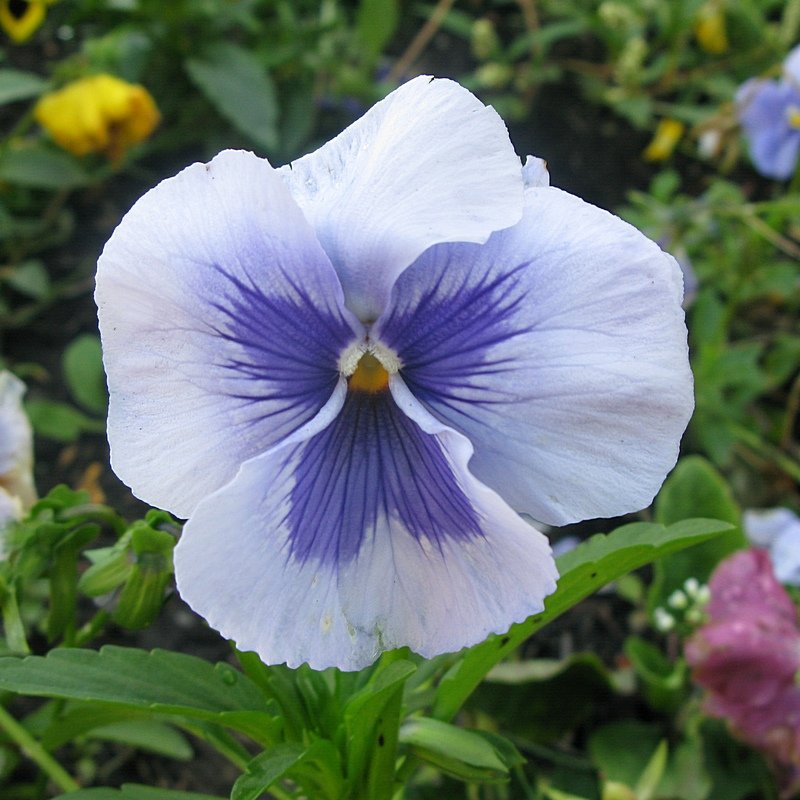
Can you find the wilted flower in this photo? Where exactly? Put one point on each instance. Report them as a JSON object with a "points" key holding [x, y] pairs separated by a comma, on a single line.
{"points": [[20, 18], [17, 492], [709, 28], [98, 114], [747, 656], [334, 367], [770, 115], [665, 139], [778, 531]]}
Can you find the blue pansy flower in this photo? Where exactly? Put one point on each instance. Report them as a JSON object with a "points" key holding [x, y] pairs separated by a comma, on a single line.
{"points": [[778, 531], [769, 112], [351, 373]]}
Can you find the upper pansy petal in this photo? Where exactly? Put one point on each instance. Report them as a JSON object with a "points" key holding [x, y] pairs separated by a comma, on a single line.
{"points": [[221, 320], [429, 163], [559, 348], [360, 535]]}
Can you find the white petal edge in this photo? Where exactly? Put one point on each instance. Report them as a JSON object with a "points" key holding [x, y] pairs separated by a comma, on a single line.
{"points": [[233, 570], [429, 163]]}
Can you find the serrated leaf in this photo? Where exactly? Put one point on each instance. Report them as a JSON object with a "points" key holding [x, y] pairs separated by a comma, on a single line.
{"points": [[588, 567], [160, 681], [240, 88], [82, 364], [18, 85]]}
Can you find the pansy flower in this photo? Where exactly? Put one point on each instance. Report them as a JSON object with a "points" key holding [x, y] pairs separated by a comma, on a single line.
{"points": [[17, 490], [351, 373], [777, 530], [98, 114], [770, 115]]}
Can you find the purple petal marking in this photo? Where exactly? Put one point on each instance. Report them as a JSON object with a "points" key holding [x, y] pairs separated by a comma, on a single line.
{"points": [[446, 330], [372, 462], [286, 348]]}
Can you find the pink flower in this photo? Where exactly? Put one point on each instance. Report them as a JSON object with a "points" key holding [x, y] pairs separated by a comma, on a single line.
{"points": [[747, 657]]}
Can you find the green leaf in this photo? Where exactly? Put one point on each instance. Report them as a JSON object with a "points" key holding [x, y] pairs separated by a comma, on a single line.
{"points": [[18, 85], [60, 421], [621, 750], [160, 681], [265, 769], [663, 683], [40, 167], [82, 364], [316, 768], [133, 791], [146, 734], [588, 567], [237, 85], [694, 488], [371, 720], [30, 278], [376, 21], [463, 754]]}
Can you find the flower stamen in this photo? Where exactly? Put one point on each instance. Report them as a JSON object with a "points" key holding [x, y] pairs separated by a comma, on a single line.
{"points": [[367, 365]]}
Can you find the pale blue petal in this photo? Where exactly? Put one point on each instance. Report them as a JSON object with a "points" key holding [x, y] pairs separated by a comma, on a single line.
{"points": [[777, 530], [429, 163], [764, 108], [359, 535], [559, 348], [222, 322]]}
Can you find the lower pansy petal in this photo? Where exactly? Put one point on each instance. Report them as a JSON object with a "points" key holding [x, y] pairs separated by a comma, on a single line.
{"points": [[222, 322], [559, 348], [358, 536]]}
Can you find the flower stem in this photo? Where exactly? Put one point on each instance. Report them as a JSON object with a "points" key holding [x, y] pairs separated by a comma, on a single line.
{"points": [[33, 750]]}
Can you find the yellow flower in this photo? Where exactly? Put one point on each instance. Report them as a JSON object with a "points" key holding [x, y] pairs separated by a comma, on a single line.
{"points": [[667, 135], [98, 114], [20, 18], [709, 29]]}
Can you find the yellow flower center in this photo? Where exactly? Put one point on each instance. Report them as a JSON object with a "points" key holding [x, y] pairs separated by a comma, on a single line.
{"points": [[369, 376], [793, 116]]}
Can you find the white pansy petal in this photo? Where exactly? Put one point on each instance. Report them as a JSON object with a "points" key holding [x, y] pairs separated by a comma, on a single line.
{"points": [[429, 163], [535, 173], [222, 322], [16, 442], [559, 348], [359, 536]]}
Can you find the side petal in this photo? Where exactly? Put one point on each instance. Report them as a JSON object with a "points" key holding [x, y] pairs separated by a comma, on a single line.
{"points": [[429, 163], [221, 320], [361, 536], [559, 349]]}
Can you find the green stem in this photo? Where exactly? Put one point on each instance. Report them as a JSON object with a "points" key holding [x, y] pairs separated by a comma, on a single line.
{"points": [[34, 750]]}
